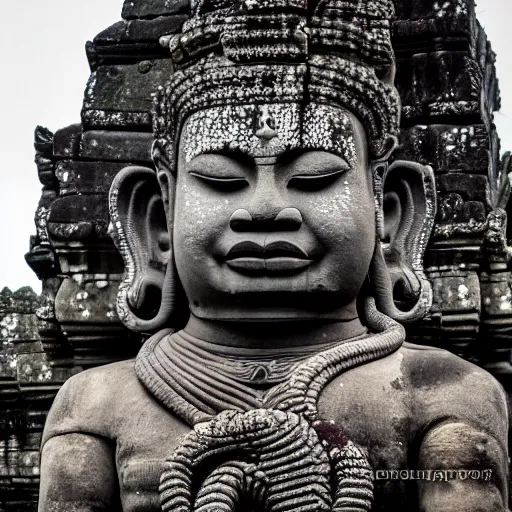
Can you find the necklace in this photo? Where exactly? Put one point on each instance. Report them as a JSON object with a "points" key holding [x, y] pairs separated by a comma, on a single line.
{"points": [[197, 379], [250, 366]]}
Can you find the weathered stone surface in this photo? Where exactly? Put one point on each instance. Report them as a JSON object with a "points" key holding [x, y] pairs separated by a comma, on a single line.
{"points": [[497, 297], [411, 10], [454, 321], [90, 259], [34, 368], [41, 260], [139, 32], [8, 360], [447, 148], [86, 310], [462, 198], [472, 187], [131, 41], [19, 458], [80, 218], [457, 293], [43, 144], [22, 301], [452, 22], [87, 208], [441, 111], [16, 327], [48, 196], [119, 96], [445, 75], [442, 77], [88, 302], [118, 146], [76, 177], [67, 141], [151, 8]]}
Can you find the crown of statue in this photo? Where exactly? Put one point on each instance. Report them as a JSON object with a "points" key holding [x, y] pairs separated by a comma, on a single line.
{"points": [[235, 52]]}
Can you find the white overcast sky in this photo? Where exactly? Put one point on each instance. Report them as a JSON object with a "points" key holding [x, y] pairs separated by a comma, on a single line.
{"points": [[42, 80]]}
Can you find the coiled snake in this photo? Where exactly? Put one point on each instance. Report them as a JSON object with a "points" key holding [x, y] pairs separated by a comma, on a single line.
{"points": [[278, 464]]}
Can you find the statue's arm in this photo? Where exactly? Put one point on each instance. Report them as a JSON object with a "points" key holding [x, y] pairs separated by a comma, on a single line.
{"points": [[78, 469], [475, 440], [78, 474]]}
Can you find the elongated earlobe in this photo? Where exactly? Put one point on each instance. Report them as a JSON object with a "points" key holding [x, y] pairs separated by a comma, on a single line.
{"points": [[146, 297], [407, 204]]}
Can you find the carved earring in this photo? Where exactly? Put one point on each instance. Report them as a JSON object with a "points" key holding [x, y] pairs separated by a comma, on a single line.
{"points": [[406, 204], [139, 229], [383, 287]]}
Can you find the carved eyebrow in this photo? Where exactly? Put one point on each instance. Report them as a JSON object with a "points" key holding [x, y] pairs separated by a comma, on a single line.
{"points": [[236, 154], [217, 147], [292, 155]]}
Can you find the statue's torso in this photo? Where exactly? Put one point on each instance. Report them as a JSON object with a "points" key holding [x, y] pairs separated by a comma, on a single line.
{"points": [[385, 406]]}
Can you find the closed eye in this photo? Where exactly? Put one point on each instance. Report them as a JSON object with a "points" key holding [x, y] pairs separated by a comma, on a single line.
{"points": [[313, 182], [223, 183]]}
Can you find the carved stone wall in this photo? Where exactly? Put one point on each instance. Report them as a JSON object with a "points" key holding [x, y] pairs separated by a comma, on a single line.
{"points": [[446, 77], [447, 80], [27, 388]]}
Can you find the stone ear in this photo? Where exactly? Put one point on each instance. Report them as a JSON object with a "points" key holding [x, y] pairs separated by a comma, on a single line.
{"points": [[139, 227], [407, 197]]}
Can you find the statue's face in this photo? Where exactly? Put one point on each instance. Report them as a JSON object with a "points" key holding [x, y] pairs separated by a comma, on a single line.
{"points": [[274, 212]]}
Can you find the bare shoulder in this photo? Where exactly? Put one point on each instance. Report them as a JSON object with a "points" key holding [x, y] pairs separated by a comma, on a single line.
{"points": [[447, 386], [432, 367], [90, 401]]}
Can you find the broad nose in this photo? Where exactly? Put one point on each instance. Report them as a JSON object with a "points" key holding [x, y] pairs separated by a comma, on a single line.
{"points": [[286, 219]]}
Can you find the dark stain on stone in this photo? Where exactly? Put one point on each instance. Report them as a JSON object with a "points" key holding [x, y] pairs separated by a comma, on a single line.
{"points": [[397, 384], [443, 369]]}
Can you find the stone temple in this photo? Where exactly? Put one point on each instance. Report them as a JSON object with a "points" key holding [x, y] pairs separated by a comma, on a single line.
{"points": [[449, 91]]}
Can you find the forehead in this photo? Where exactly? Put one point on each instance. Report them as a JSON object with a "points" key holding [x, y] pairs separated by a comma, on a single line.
{"points": [[271, 130]]}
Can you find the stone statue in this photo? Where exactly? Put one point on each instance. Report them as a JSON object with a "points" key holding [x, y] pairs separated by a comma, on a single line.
{"points": [[279, 216]]}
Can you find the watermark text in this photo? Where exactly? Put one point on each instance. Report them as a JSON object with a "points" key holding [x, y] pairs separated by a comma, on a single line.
{"points": [[434, 475]]}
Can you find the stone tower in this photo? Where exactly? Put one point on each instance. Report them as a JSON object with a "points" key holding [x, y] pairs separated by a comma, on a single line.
{"points": [[446, 77]]}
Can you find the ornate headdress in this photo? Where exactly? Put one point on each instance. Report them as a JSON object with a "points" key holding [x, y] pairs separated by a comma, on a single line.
{"points": [[236, 52]]}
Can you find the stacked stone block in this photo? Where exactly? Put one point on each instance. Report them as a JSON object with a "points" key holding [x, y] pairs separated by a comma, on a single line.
{"points": [[446, 76], [27, 387], [81, 326]]}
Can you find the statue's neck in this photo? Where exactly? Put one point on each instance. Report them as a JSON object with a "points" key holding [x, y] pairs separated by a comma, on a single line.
{"points": [[276, 334]]}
